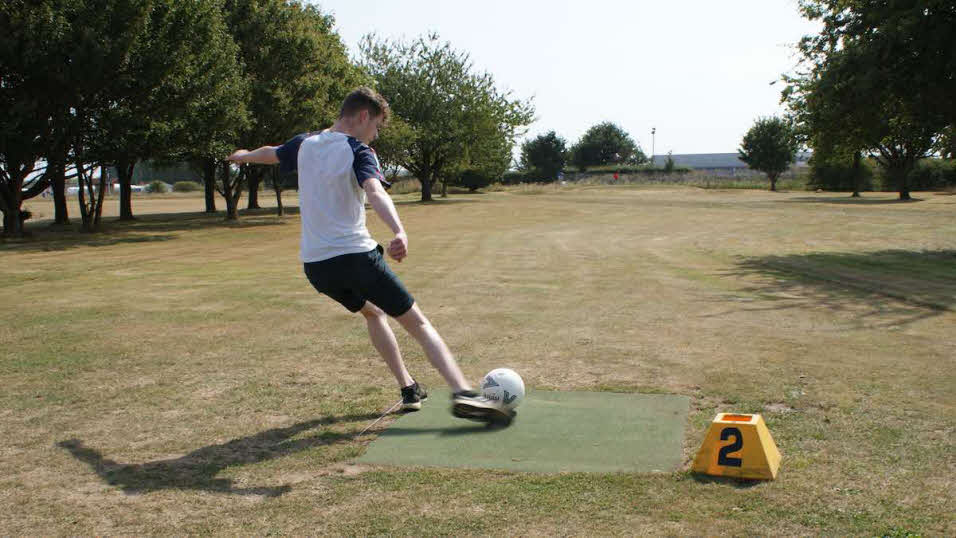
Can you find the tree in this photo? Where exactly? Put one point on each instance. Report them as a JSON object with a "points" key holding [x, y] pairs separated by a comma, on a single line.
{"points": [[59, 60], [606, 143], [836, 165], [882, 74], [393, 145], [451, 109], [214, 119], [770, 147], [298, 72], [486, 157], [544, 155], [154, 104], [24, 115], [669, 163]]}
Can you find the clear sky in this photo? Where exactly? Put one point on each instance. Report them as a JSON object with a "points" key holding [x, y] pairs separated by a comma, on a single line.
{"points": [[697, 70]]}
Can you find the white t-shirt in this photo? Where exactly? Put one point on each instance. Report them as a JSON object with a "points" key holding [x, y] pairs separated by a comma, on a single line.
{"points": [[332, 167]]}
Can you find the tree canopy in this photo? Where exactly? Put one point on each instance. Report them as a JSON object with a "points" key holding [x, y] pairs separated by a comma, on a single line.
{"points": [[457, 117], [545, 155], [298, 73], [606, 143], [878, 78], [770, 147]]}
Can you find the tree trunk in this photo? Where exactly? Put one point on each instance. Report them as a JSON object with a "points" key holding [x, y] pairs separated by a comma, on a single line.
{"points": [[85, 214], [255, 177], [898, 171], [98, 210], [903, 182], [209, 181], [277, 186], [773, 182], [61, 215], [231, 191], [426, 188], [857, 175], [12, 199], [12, 223], [125, 170], [10, 218]]}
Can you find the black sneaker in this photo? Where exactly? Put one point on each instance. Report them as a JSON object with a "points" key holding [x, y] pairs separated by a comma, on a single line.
{"points": [[413, 396], [473, 406]]}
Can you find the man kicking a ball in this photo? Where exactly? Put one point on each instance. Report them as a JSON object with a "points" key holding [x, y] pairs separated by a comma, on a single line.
{"points": [[337, 171]]}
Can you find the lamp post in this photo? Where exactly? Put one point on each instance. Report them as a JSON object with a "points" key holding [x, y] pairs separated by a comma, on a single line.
{"points": [[653, 132]]}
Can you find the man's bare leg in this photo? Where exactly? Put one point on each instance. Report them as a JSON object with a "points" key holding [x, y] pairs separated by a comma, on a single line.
{"points": [[435, 349], [384, 341]]}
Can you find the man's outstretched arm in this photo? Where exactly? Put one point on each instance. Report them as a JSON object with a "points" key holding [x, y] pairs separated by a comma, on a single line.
{"points": [[263, 155], [382, 204]]}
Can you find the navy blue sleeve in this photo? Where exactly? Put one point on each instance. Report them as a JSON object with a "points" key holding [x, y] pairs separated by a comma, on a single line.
{"points": [[365, 163], [288, 154]]}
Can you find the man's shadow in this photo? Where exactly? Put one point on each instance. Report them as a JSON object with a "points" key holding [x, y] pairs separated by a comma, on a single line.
{"points": [[198, 469]]}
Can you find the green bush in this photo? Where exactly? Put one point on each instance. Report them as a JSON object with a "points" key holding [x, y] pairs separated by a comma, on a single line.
{"points": [[156, 186], [930, 174], [474, 179], [186, 186], [840, 177], [514, 177], [544, 156]]}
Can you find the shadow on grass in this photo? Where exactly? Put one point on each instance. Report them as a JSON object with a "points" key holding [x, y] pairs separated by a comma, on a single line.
{"points": [[885, 288], [144, 228], [437, 202], [849, 200], [198, 469], [739, 483]]}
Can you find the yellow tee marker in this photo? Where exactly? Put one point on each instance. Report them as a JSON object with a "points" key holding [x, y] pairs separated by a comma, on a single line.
{"points": [[739, 446]]}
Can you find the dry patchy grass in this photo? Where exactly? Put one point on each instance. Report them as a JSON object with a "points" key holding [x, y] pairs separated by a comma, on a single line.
{"points": [[178, 375]]}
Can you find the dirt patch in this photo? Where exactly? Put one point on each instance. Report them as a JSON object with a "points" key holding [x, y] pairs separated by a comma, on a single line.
{"points": [[778, 407]]}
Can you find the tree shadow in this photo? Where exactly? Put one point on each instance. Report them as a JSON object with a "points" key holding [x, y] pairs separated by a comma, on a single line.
{"points": [[882, 288], [849, 200], [434, 202], [198, 469], [144, 228], [68, 240]]}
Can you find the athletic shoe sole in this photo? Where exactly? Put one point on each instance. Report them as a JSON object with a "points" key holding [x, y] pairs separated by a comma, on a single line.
{"points": [[413, 406], [481, 413]]}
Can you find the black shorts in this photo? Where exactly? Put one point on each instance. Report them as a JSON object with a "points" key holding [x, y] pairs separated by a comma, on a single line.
{"points": [[352, 279]]}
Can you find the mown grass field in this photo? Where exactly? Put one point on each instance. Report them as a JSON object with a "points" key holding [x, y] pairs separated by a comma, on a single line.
{"points": [[178, 375]]}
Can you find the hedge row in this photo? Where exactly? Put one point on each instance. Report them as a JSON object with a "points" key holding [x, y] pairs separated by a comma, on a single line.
{"points": [[929, 174], [515, 177]]}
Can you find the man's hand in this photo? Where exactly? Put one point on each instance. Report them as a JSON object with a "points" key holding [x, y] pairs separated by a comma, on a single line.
{"points": [[236, 156], [398, 248]]}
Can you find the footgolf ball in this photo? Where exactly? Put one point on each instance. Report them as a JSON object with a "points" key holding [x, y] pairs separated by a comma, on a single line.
{"points": [[503, 385]]}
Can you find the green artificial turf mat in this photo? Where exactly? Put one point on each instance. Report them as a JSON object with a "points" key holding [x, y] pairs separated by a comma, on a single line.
{"points": [[553, 432]]}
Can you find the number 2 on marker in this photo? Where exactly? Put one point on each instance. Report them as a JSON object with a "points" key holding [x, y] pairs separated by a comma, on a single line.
{"points": [[723, 457]]}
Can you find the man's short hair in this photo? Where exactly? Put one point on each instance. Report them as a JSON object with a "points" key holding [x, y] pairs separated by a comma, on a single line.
{"points": [[365, 98]]}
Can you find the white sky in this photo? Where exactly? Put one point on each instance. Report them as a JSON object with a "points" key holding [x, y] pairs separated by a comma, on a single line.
{"points": [[697, 70]]}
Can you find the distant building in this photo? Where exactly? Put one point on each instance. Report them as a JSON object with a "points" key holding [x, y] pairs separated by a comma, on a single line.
{"points": [[719, 163]]}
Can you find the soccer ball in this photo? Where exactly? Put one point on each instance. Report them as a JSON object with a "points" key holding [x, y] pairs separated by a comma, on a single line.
{"points": [[504, 386]]}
